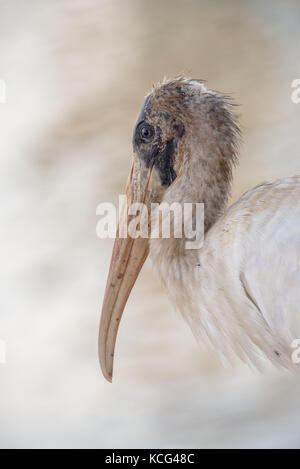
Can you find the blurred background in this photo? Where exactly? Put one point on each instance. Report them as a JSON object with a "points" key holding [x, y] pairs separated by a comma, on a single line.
{"points": [[76, 73]]}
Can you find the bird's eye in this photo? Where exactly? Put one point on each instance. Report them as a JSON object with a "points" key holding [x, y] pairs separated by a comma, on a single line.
{"points": [[146, 133]]}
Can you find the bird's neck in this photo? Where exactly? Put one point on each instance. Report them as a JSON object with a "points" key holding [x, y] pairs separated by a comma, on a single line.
{"points": [[206, 180], [207, 153]]}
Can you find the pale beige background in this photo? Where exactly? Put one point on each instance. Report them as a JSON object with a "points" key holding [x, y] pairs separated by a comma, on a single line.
{"points": [[76, 73]]}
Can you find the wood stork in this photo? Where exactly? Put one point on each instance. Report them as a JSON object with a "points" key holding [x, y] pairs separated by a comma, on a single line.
{"points": [[241, 290]]}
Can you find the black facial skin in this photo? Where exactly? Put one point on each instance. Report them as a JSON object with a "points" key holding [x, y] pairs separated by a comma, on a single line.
{"points": [[147, 142]]}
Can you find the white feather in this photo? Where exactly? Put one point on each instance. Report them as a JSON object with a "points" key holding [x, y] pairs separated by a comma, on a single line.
{"points": [[241, 290]]}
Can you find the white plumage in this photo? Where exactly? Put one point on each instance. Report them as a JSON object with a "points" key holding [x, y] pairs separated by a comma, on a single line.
{"points": [[241, 291]]}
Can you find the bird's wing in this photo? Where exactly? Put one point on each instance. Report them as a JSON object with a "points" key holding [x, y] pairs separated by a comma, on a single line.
{"points": [[252, 254], [271, 258]]}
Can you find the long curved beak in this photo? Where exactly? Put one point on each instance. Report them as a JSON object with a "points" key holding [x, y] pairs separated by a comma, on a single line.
{"points": [[128, 257]]}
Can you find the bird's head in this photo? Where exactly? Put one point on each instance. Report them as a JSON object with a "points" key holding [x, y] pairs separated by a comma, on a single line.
{"points": [[183, 132]]}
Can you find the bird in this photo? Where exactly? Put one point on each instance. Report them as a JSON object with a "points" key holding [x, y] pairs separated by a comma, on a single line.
{"points": [[239, 291]]}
